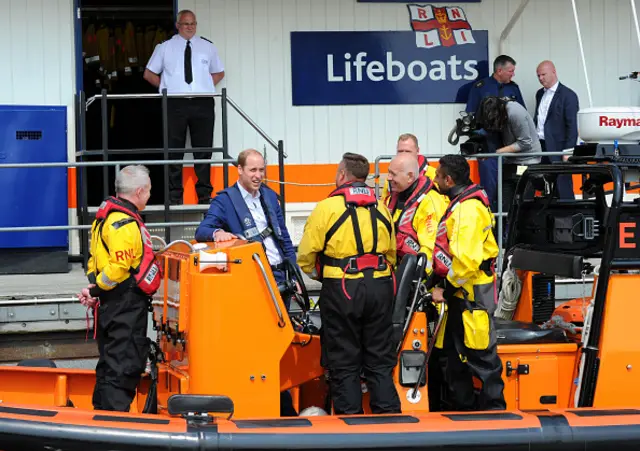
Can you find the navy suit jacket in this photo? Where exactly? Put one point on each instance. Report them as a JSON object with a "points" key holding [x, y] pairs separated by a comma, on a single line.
{"points": [[223, 215], [561, 125]]}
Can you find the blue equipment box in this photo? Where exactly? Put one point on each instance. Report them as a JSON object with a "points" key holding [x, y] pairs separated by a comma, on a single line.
{"points": [[35, 196]]}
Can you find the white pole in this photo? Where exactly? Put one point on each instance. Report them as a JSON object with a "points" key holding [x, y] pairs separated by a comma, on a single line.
{"points": [[635, 18], [584, 64]]}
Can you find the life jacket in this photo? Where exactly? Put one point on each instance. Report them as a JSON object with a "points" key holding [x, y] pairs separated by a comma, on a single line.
{"points": [[356, 195], [148, 275], [406, 236], [442, 258], [249, 227]]}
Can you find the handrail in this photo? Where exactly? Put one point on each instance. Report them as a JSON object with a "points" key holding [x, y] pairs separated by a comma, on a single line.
{"points": [[83, 105], [252, 123], [95, 97], [281, 322], [167, 246], [73, 164]]}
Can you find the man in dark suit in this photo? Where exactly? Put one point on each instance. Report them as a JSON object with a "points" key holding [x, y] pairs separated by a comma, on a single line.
{"points": [[556, 119], [250, 210]]}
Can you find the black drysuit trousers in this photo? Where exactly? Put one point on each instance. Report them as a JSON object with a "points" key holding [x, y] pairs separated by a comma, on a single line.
{"points": [[462, 363], [357, 338], [123, 346]]}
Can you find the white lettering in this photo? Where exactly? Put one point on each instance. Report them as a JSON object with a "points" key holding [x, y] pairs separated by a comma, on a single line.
{"points": [[439, 67], [347, 67], [330, 75], [453, 63], [359, 69], [359, 63], [471, 71], [412, 72], [373, 69], [390, 65]]}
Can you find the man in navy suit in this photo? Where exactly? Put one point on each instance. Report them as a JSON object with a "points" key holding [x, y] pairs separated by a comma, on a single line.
{"points": [[250, 210], [556, 119]]}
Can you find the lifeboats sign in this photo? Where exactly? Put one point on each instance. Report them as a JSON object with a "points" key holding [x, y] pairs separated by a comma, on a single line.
{"points": [[437, 62]]}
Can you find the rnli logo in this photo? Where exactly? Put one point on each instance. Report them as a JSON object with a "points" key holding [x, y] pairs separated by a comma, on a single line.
{"points": [[435, 27], [359, 191], [411, 244], [442, 258], [153, 271], [204, 61], [247, 222]]}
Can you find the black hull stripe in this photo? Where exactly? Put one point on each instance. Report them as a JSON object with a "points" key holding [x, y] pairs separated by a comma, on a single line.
{"points": [[554, 434]]}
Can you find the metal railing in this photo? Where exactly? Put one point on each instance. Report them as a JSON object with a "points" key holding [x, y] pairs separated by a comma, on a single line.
{"points": [[500, 156], [105, 152]]}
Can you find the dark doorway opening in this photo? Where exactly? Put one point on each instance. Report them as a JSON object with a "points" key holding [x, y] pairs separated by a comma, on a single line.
{"points": [[118, 38]]}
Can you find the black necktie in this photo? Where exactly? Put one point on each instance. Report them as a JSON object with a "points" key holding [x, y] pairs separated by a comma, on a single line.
{"points": [[188, 74]]}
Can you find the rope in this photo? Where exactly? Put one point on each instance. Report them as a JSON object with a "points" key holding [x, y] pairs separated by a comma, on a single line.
{"points": [[509, 293]]}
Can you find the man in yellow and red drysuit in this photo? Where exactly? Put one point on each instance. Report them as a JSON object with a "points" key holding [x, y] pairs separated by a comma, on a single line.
{"points": [[123, 275], [464, 255], [349, 244], [416, 208]]}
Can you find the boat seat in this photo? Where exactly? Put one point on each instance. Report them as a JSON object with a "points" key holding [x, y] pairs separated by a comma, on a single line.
{"points": [[518, 332], [405, 282]]}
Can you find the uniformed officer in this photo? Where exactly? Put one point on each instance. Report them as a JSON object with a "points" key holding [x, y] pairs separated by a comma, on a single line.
{"points": [[416, 208], [188, 64], [123, 275], [408, 143], [498, 84], [349, 244], [464, 255]]}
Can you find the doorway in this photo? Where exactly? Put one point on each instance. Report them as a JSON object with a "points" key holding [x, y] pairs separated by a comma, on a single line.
{"points": [[118, 38]]}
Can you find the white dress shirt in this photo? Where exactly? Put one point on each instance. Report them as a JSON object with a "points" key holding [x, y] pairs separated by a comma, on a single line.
{"points": [[543, 109], [260, 218], [168, 62]]}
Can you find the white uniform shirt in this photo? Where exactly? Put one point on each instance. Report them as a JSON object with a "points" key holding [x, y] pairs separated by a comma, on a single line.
{"points": [[168, 62], [260, 218], [543, 109]]}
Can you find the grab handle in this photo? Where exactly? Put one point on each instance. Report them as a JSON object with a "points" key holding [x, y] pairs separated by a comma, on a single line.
{"points": [[281, 322]]}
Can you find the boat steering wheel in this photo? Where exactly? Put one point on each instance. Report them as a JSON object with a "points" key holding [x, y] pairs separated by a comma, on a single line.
{"points": [[298, 291]]}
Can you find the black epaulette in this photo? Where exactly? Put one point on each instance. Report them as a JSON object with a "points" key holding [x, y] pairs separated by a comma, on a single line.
{"points": [[208, 40], [123, 222], [479, 84]]}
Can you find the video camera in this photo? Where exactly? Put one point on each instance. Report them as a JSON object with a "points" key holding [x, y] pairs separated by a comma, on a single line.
{"points": [[467, 125]]}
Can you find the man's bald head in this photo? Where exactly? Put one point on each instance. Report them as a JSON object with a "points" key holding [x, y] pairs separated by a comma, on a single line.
{"points": [[403, 171], [547, 74]]}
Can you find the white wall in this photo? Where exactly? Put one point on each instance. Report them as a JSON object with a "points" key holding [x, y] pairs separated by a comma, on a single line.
{"points": [[37, 59], [253, 39]]}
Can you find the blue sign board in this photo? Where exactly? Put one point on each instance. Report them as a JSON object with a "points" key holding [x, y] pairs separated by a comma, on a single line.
{"points": [[382, 67]]}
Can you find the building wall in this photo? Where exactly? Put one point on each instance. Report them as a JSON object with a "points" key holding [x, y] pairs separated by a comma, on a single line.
{"points": [[253, 39], [37, 55]]}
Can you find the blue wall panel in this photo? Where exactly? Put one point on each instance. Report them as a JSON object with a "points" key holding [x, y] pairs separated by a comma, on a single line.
{"points": [[33, 196]]}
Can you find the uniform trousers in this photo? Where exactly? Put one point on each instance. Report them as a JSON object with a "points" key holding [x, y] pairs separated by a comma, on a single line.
{"points": [[198, 114], [123, 348], [357, 339]]}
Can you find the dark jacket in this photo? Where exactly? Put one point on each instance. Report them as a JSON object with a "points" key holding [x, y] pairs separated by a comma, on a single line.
{"points": [[224, 215], [561, 125]]}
